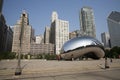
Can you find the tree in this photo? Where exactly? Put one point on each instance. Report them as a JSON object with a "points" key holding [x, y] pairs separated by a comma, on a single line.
{"points": [[115, 52], [7, 55]]}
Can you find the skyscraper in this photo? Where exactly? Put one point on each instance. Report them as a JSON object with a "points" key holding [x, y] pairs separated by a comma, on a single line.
{"points": [[114, 28], [9, 39], [54, 16], [105, 39], [59, 32], [3, 33], [23, 30], [3, 29], [1, 4], [47, 35], [87, 23]]}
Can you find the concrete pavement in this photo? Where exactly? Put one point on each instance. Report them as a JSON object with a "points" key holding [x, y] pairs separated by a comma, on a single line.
{"points": [[36, 68], [113, 74]]}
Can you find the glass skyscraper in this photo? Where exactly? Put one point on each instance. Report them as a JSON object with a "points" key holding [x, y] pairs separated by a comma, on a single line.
{"points": [[114, 28], [87, 23]]}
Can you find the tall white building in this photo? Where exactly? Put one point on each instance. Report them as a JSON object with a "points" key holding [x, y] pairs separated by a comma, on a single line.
{"points": [[114, 28], [39, 39], [22, 34], [54, 16], [105, 39], [59, 32]]}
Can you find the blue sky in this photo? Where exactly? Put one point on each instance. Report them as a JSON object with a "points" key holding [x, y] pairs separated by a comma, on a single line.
{"points": [[40, 12]]}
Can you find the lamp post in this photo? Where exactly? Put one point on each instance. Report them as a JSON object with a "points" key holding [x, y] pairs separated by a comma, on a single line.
{"points": [[19, 69], [106, 63]]}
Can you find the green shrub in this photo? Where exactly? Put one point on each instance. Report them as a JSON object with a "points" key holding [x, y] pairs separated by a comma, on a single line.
{"points": [[7, 55]]}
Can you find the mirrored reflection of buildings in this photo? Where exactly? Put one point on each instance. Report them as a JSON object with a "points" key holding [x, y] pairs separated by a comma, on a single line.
{"points": [[114, 28], [87, 22], [22, 25], [84, 46], [6, 33]]}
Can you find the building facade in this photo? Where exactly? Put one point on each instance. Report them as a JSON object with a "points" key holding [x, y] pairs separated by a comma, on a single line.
{"points": [[33, 36], [3, 29], [59, 32], [87, 22], [6, 34], [74, 34], [39, 39], [1, 5], [3, 33], [47, 35], [22, 35], [114, 28], [9, 39], [105, 39], [41, 48]]}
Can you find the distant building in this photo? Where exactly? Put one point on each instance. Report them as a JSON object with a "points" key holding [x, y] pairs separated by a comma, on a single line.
{"points": [[47, 35], [105, 39], [23, 31], [114, 28], [3, 29], [6, 33], [41, 48], [3, 33], [54, 16], [9, 39], [39, 39], [74, 34], [59, 32], [33, 36], [1, 5], [87, 22]]}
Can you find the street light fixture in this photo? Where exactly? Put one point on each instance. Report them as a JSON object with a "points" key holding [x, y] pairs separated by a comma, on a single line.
{"points": [[19, 69]]}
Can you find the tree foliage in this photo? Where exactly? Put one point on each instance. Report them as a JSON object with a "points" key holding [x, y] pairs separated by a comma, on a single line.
{"points": [[44, 56], [113, 53], [7, 55]]}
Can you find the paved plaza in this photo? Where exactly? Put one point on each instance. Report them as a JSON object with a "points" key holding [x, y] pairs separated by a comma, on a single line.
{"points": [[60, 70]]}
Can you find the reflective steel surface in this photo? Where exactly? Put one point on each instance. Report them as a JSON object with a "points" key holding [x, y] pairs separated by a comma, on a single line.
{"points": [[80, 42], [82, 45]]}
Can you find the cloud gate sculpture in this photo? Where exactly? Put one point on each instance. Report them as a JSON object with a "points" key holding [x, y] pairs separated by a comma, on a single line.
{"points": [[82, 46]]}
